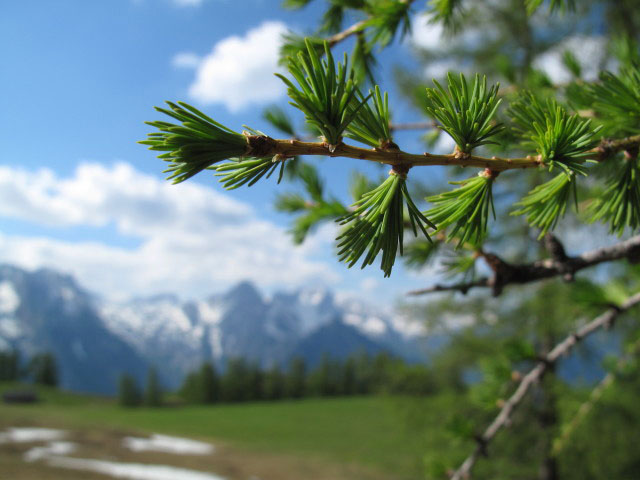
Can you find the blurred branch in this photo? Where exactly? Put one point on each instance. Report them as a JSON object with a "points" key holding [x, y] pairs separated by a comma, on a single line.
{"points": [[354, 29], [594, 397], [560, 264], [333, 40], [561, 349]]}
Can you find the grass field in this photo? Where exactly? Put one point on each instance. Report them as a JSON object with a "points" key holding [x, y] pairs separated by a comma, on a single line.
{"points": [[357, 437]]}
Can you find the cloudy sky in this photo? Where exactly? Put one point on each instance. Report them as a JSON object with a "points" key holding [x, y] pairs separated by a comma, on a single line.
{"points": [[78, 194]]}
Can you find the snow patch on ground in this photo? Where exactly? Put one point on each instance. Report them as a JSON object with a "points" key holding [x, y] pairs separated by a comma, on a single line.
{"points": [[131, 471], [51, 449], [164, 443], [28, 435]]}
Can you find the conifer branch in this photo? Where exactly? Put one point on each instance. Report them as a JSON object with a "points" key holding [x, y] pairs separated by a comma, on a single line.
{"points": [[534, 376], [355, 28], [505, 273], [594, 397], [267, 146]]}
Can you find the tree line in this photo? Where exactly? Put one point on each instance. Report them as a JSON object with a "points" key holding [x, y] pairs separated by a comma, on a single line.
{"points": [[243, 381], [41, 369]]}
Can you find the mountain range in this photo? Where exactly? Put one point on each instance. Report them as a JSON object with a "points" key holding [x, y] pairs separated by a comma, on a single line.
{"points": [[95, 340]]}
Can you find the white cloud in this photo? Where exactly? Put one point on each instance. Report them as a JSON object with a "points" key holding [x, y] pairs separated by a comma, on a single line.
{"points": [[239, 71], [185, 60], [590, 52], [193, 239], [427, 35]]}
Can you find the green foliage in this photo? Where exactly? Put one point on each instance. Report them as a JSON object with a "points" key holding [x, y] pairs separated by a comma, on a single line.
{"points": [[9, 366], [196, 144], [293, 44], [547, 203], [279, 119], [128, 392], [467, 208], [420, 252], [313, 210], [296, 378], [152, 396], [240, 171], [616, 99], [326, 93], [363, 60], [619, 204], [445, 11], [463, 114], [201, 385], [377, 224], [458, 264], [295, 4], [571, 62], [371, 124], [43, 369], [561, 5], [561, 139], [386, 19]]}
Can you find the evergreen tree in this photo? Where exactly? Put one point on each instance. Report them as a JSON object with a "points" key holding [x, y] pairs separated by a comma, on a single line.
{"points": [[43, 369], [240, 382], [9, 366], [152, 390], [128, 391], [209, 383], [324, 380], [202, 385], [274, 384], [296, 380]]}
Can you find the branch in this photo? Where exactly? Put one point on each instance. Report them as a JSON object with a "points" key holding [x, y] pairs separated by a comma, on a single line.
{"points": [[506, 274], [354, 29], [333, 40], [264, 146], [594, 397], [534, 375]]}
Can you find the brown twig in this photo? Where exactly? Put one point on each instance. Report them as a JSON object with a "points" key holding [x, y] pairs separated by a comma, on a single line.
{"points": [[262, 146], [353, 29], [534, 376], [506, 273]]}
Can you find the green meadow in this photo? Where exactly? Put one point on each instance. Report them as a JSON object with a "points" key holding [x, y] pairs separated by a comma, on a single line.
{"points": [[384, 435]]}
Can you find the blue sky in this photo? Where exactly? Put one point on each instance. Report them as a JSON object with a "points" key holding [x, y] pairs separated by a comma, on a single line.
{"points": [[78, 194]]}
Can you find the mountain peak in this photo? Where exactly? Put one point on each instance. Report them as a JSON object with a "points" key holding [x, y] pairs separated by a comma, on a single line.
{"points": [[244, 292]]}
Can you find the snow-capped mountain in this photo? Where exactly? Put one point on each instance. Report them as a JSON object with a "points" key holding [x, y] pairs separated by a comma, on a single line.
{"points": [[44, 310]]}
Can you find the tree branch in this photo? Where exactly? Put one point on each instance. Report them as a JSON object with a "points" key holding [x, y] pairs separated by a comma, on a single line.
{"points": [[534, 375], [264, 146], [348, 32], [506, 274], [353, 29], [594, 397]]}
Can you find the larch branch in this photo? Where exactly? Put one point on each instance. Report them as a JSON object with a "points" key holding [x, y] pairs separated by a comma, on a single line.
{"points": [[263, 146], [505, 274], [534, 376]]}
